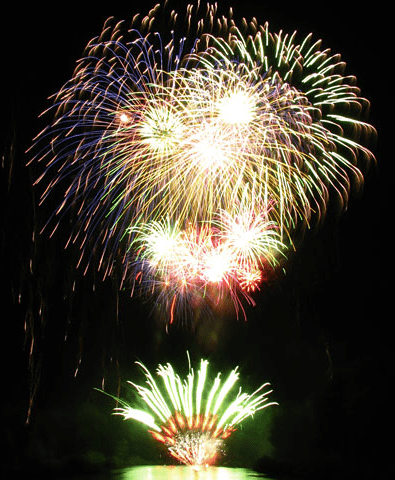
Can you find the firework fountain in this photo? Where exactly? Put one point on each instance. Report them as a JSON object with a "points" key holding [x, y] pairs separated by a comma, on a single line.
{"points": [[193, 417]]}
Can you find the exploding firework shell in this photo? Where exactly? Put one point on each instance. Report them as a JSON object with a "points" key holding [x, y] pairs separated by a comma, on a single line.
{"points": [[197, 128]]}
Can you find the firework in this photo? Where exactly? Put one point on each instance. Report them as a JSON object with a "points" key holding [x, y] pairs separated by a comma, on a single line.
{"points": [[193, 417], [190, 160], [210, 262]]}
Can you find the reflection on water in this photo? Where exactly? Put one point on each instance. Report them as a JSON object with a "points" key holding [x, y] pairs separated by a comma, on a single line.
{"points": [[177, 473], [186, 473]]}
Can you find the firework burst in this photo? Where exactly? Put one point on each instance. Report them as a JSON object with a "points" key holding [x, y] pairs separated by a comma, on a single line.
{"points": [[191, 160], [210, 262], [193, 417]]}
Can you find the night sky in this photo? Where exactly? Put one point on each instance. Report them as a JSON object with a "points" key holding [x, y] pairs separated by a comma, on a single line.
{"points": [[320, 333]]}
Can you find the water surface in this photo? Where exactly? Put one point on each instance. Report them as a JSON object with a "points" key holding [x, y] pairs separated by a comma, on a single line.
{"points": [[167, 472]]}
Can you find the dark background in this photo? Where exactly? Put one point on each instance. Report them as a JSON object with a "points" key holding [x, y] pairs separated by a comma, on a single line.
{"points": [[320, 334]]}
